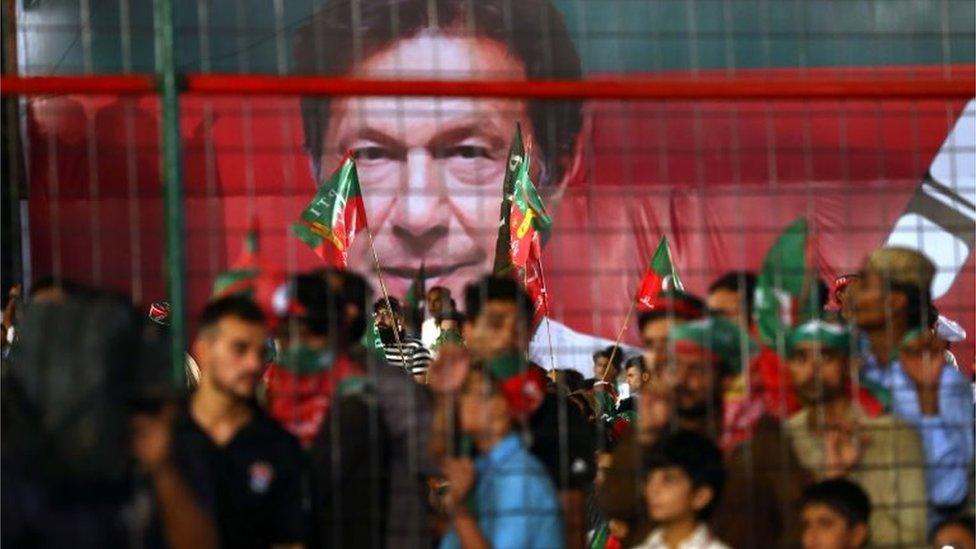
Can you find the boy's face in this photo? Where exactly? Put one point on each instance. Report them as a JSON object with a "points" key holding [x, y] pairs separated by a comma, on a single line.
{"points": [[635, 378], [824, 528], [496, 331], [600, 365], [654, 335], [670, 495], [479, 406]]}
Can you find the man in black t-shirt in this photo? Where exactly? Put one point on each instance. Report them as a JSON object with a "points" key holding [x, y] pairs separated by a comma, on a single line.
{"points": [[246, 470]]}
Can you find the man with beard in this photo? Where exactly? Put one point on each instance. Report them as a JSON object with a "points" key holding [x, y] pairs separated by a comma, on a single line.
{"points": [[244, 467], [401, 350], [892, 307], [764, 478], [835, 438]]}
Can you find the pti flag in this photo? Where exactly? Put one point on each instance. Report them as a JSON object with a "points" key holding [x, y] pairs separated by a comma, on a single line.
{"points": [[516, 158], [250, 274], [527, 217], [785, 286], [534, 282], [331, 220], [660, 276]]}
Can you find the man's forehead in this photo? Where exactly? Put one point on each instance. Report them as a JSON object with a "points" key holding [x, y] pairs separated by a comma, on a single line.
{"points": [[236, 328], [443, 57]]}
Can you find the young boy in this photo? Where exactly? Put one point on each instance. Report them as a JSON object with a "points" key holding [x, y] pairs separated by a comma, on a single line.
{"points": [[684, 480], [834, 515], [503, 498]]}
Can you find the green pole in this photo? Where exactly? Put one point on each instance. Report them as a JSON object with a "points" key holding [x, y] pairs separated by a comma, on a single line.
{"points": [[172, 183]]}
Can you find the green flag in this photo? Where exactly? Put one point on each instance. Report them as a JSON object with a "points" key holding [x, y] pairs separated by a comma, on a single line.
{"points": [[516, 157], [660, 276], [336, 213], [785, 292]]}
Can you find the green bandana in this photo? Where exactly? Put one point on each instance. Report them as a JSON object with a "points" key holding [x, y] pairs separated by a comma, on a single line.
{"points": [[827, 334], [729, 343]]}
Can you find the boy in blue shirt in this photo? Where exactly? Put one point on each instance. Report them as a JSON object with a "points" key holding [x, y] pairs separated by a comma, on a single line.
{"points": [[504, 497]]}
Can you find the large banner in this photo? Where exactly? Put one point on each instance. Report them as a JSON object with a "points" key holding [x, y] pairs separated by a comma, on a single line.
{"points": [[720, 179]]}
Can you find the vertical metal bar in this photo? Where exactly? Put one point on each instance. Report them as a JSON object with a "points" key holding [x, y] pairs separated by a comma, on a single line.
{"points": [[172, 182]]}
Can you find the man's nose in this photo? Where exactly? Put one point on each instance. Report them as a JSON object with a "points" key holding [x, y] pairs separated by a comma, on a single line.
{"points": [[421, 215]]}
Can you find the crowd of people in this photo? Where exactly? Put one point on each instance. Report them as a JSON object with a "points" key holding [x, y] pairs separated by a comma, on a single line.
{"points": [[333, 417]]}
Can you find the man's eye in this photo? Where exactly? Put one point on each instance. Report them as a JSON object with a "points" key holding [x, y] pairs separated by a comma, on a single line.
{"points": [[467, 152], [371, 153]]}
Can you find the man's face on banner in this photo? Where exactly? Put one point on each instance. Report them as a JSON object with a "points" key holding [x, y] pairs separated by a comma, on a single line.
{"points": [[431, 169]]}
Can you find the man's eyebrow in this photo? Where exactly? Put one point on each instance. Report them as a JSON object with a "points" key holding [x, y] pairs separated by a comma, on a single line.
{"points": [[460, 133], [372, 134]]}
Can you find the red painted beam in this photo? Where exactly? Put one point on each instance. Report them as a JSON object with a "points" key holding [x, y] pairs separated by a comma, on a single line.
{"points": [[94, 84], [674, 88], [682, 88]]}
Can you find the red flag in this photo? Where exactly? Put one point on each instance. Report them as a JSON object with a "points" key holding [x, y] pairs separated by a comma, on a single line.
{"points": [[535, 282], [250, 274], [661, 275]]}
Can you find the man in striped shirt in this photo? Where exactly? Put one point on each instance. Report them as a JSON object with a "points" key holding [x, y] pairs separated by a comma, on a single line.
{"points": [[401, 351]]}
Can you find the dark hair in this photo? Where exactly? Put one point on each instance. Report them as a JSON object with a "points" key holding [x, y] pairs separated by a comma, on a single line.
{"points": [[355, 294], [456, 316], [611, 351], [694, 454], [394, 305], [236, 306], [920, 312], [964, 521], [443, 289], [572, 379], [343, 32], [843, 496], [68, 286], [322, 308], [636, 362], [497, 288], [690, 308], [741, 282]]}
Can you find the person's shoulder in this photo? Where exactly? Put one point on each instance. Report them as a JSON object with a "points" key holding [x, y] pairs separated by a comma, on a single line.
{"points": [[271, 435]]}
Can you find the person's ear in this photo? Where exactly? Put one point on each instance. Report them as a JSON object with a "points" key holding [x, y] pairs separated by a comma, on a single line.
{"points": [[858, 536], [701, 497], [201, 350]]}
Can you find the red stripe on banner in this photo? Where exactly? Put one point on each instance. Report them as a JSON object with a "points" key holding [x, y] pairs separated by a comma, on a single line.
{"points": [[680, 88]]}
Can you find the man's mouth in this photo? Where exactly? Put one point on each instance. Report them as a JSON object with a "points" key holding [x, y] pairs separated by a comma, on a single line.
{"points": [[430, 271]]}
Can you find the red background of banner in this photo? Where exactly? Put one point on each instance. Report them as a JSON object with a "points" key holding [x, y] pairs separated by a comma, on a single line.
{"points": [[720, 178]]}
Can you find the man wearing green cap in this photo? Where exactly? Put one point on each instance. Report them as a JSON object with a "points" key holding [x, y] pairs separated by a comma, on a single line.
{"points": [[891, 302], [834, 437], [763, 479]]}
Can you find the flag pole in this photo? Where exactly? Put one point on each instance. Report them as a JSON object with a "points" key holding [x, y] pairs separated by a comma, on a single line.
{"points": [[620, 335], [545, 297], [386, 297]]}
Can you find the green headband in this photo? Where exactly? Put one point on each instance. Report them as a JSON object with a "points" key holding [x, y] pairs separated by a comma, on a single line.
{"points": [[827, 334], [729, 343]]}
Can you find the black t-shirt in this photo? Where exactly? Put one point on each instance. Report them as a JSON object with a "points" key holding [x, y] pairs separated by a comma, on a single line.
{"points": [[254, 485], [575, 468]]}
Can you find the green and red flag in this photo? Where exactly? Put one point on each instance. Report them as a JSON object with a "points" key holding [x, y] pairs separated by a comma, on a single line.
{"points": [[660, 276], [531, 277], [250, 274], [528, 218], [516, 158], [785, 285], [335, 215]]}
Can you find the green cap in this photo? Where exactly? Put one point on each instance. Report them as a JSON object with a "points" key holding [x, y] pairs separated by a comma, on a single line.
{"points": [[827, 334], [724, 339]]}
